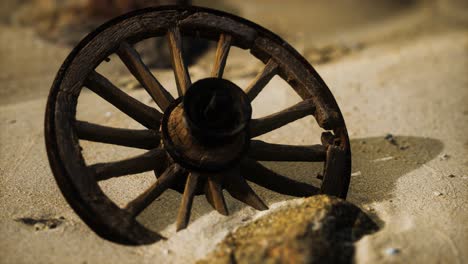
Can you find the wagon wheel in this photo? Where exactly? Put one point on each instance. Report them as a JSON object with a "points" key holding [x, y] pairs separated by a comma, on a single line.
{"points": [[191, 146]]}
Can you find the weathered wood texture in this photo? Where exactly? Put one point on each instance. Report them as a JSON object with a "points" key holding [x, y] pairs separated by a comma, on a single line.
{"points": [[214, 193], [240, 189], [145, 115], [181, 73], [194, 153], [183, 216], [334, 182], [262, 79], [136, 206], [327, 139], [222, 52], [303, 78], [209, 26], [274, 121], [135, 65], [144, 139], [62, 132], [148, 161]]}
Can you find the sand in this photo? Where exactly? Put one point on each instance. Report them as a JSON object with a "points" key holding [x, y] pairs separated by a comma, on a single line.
{"points": [[404, 73]]}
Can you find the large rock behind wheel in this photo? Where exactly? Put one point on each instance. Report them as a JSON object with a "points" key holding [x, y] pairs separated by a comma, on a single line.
{"points": [[322, 229]]}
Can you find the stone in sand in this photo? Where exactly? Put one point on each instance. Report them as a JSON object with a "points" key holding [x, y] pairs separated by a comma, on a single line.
{"points": [[322, 229]]}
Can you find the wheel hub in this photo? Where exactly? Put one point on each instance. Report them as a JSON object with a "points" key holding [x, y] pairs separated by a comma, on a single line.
{"points": [[206, 130]]}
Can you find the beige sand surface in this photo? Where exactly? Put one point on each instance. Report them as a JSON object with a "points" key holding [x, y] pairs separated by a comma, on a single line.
{"points": [[409, 79]]}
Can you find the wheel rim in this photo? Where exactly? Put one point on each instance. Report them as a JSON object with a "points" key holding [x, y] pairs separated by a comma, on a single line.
{"points": [[77, 181]]}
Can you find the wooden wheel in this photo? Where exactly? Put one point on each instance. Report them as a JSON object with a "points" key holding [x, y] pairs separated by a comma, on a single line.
{"points": [[191, 146]]}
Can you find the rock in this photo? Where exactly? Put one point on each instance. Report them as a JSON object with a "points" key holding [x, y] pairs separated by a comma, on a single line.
{"points": [[383, 159], [392, 251], [41, 224], [404, 147], [156, 52], [391, 139], [322, 229], [444, 157]]}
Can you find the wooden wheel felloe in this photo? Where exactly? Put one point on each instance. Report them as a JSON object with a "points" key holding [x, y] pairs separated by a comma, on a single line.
{"points": [[203, 140]]}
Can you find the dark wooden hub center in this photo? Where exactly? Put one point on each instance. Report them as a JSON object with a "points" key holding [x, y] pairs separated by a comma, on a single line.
{"points": [[206, 129]]}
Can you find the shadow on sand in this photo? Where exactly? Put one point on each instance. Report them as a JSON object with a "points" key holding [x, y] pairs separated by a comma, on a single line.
{"points": [[377, 164]]}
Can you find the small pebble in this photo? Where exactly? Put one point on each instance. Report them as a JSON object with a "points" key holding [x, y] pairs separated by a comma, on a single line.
{"points": [[391, 139], [437, 193], [444, 157], [108, 114], [404, 147], [392, 251], [383, 159], [12, 121], [451, 176], [39, 226], [245, 219], [357, 173]]}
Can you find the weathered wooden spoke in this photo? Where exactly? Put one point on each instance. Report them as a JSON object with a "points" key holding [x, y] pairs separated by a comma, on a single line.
{"points": [[145, 162], [165, 181], [260, 150], [257, 173], [181, 73], [135, 65], [183, 216], [145, 115], [222, 52], [240, 189], [333, 181], [274, 121], [214, 193], [144, 139], [262, 79]]}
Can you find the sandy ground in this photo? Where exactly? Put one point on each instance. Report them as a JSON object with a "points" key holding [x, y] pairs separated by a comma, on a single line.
{"points": [[407, 77]]}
